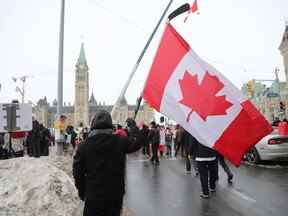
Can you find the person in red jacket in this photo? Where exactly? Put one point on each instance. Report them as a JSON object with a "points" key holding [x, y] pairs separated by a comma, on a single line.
{"points": [[283, 128]]}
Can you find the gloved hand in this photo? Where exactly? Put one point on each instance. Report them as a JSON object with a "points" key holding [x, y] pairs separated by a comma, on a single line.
{"points": [[130, 123]]}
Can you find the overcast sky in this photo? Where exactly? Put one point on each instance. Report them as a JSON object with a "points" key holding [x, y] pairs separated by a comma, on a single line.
{"points": [[239, 37]]}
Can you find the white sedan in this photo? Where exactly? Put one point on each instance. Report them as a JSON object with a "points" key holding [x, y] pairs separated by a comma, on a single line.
{"points": [[271, 147]]}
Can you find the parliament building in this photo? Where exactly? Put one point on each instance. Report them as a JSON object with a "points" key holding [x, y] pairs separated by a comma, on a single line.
{"points": [[84, 108]]}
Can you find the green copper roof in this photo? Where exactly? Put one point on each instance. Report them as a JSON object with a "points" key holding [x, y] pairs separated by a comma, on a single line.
{"points": [[82, 58]]}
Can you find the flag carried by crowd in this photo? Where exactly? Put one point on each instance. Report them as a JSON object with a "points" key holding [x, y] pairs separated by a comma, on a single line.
{"points": [[188, 90]]}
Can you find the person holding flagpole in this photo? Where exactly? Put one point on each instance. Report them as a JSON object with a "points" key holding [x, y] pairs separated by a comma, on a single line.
{"points": [[99, 165]]}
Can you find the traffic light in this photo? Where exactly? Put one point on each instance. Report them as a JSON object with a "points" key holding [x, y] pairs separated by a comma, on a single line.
{"points": [[250, 88], [282, 106]]}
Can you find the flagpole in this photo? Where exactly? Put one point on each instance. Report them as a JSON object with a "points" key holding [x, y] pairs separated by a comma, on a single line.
{"points": [[124, 89], [182, 9]]}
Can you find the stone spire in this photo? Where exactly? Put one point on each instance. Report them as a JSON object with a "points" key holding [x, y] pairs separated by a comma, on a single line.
{"points": [[82, 57], [92, 99]]}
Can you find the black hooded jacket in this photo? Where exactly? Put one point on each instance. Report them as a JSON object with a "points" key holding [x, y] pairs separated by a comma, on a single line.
{"points": [[205, 152], [190, 143], [195, 148], [99, 163]]}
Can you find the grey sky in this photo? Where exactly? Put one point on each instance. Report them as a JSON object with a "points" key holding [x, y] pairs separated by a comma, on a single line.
{"points": [[239, 37]]}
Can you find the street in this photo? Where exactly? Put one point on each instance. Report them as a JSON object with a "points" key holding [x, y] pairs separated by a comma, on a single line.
{"points": [[167, 190]]}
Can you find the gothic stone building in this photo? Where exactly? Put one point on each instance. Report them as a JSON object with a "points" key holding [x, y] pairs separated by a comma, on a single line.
{"points": [[84, 108]]}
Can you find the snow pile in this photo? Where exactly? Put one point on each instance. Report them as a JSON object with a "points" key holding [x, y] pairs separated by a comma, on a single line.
{"points": [[35, 186]]}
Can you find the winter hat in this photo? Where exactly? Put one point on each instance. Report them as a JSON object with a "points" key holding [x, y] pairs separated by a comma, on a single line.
{"points": [[102, 120]]}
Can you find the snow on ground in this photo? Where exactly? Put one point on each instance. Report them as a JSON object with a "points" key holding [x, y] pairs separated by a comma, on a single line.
{"points": [[34, 186], [39, 187]]}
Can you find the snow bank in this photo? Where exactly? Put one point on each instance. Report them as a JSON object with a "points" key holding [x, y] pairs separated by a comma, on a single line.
{"points": [[35, 186]]}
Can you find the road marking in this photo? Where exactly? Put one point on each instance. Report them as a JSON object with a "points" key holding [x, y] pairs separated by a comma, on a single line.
{"points": [[140, 160], [241, 195], [145, 160]]}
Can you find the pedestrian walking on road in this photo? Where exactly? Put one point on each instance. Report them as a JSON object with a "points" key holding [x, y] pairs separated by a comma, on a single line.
{"points": [[162, 140], [71, 136], [179, 141], [154, 138], [225, 167], [146, 147], [99, 165], [60, 135], [190, 144], [168, 142], [207, 165]]}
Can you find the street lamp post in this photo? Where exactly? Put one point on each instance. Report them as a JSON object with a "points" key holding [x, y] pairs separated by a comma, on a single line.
{"points": [[60, 60], [59, 125], [21, 90]]}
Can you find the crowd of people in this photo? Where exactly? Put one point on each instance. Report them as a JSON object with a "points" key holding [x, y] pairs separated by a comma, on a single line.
{"points": [[38, 141], [99, 155], [203, 159], [34, 143]]}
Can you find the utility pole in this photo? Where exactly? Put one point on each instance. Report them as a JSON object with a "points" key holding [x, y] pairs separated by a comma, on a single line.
{"points": [[60, 61]]}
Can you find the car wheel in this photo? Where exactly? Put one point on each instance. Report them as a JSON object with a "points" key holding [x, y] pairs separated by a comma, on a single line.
{"points": [[253, 156]]}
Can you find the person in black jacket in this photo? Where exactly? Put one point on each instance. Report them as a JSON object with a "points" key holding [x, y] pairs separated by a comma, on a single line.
{"points": [[44, 140], [190, 145], [145, 133], [33, 140], [207, 166], [179, 141], [73, 135], [154, 138], [3, 151], [99, 166]]}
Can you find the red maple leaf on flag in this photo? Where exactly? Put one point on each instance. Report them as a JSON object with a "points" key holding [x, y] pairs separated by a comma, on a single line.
{"points": [[201, 98]]}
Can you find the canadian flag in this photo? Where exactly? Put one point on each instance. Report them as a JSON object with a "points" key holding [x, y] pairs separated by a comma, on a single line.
{"points": [[188, 90]]}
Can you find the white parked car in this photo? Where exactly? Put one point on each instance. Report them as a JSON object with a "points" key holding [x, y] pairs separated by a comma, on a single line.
{"points": [[271, 147]]}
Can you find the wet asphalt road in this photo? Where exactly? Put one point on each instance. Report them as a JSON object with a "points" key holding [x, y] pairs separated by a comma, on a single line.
{"points": [[167, 190]]}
